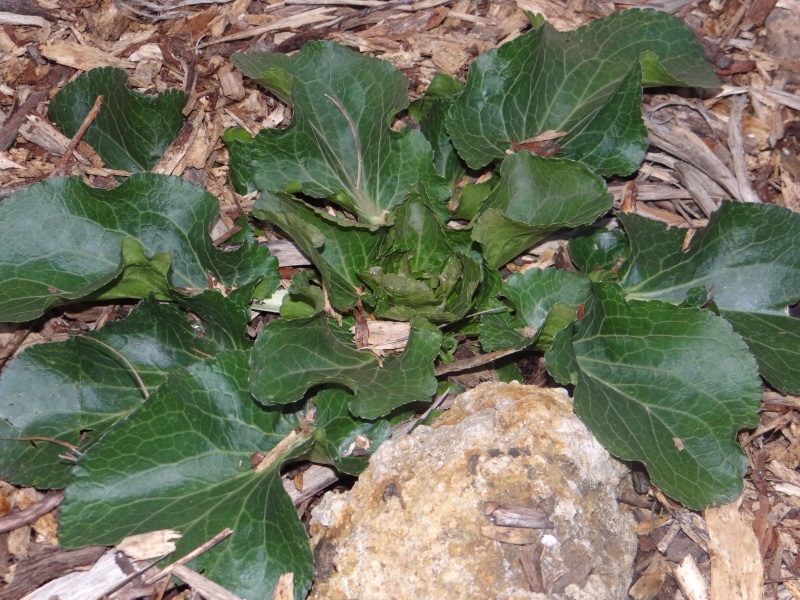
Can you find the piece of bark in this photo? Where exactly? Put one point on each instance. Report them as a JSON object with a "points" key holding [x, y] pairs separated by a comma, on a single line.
{"points": [[517, 516], [83, 58], [704, 191], [691, 580], [8, 133], [24, 7], [687, 146], [511, 535], [200, 584], [737, 572], [33, 573], [577, 574], [736, 146]]}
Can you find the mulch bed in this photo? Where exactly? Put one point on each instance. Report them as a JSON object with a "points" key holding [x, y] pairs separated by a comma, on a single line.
{"points": [[743, 142]]}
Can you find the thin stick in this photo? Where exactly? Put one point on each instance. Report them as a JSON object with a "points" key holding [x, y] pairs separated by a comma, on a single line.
{"points": [[353, 131], [76, 139], [17, 340], [471, 363], [121, 584], [32, 513], [138, 379], [191, 556], [36, 438]]}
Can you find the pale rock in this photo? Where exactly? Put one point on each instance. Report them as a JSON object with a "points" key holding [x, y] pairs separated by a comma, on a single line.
{"points": [[411, 526]]}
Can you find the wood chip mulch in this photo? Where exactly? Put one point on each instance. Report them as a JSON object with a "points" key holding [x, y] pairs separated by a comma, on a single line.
{"points": [[741, 141]]}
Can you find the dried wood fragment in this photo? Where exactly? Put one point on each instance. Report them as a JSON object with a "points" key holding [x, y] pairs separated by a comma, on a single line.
{"points": [[736, 147], [511, 535], [576, 575], [704, 191], [83, 58], [40, 132], [508, 515], [288, 253], [317, 15], [736, 569], [33, 573], [7, 18], [402, 27], [691, 580], [686, 145], [32, 513], [231, 82], [205, 587]]}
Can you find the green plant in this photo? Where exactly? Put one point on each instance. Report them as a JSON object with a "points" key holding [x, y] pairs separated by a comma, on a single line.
{"points": [[664, 344]]}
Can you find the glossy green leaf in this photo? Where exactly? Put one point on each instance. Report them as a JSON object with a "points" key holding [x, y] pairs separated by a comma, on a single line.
{"points": [[339, 145], [747, 261], [431, 112], [292, 356], [75, 390], [182, 461], [587, 82], [303, 300], [341, 440], [535, 197], [132, 130], [532, 295], [663, 385], [603, 249], [63, 242], [339, 249]]}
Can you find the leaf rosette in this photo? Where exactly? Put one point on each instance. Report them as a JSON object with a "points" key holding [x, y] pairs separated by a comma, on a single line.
{"points": [[424, 272]]}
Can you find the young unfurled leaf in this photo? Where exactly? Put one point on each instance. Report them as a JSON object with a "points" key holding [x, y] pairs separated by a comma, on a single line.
{"points": [[664, 385], [431, 113], [421, 273], [339, 145], [132, 130], [536, 196], [63, 243], [292, 356], [182, 462], [587, 82], [746, 261]]}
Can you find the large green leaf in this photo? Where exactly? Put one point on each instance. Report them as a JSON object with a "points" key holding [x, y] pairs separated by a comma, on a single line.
{"points": [[339, 145], [422, 273], [533, 295], [75, 390], [587, 82], [292, 356], [62, 241], [132, 130], [340, 249], [747, 262], [664, 385], [182, 461], [536, 196]]}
